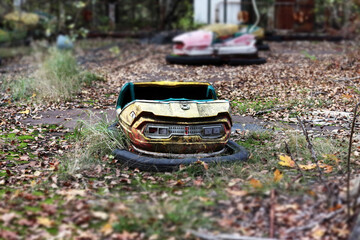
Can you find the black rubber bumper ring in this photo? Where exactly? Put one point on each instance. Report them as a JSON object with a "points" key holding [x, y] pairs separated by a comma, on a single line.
{"points": [[146, 163], [212, 60], [263, 47]]}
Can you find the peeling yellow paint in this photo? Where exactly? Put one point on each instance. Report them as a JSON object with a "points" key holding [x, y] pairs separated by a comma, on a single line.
{"points": [[170, 112]]}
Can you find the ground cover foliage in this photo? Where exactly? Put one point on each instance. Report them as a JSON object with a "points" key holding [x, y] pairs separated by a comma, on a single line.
{"points": [[63, 183], [56, 77]]}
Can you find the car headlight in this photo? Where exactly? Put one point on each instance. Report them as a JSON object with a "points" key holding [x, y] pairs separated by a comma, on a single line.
{"points": [[212, 131], [157, 131]]}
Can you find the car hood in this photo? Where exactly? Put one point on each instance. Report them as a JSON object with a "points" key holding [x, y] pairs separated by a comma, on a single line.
{"points": [[175, 109]]}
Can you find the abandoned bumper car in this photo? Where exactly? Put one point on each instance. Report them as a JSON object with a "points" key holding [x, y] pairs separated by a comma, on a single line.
{"points": [[212, 47], [174, 123]]}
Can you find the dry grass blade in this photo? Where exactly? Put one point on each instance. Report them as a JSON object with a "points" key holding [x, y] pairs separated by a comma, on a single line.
{"points": [[95, 139], [58, 77]]}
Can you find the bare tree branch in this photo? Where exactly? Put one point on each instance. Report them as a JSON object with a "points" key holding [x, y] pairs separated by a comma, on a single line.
{"points": [[272, 213], [270, 110], [291, 156], [222, 236], [345, 79], [348, 160], [318, 219], [310, 146], [313, 154]]}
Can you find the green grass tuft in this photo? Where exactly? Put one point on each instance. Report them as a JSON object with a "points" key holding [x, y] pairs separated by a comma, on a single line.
{"points": [[164, 219], [93, 142], [58, 77], [248, 106], [309, 56], [20, 88]]}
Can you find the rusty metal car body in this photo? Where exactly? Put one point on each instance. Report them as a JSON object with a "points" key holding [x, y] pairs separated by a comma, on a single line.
{"points": [[174, 119], [170, 124]]}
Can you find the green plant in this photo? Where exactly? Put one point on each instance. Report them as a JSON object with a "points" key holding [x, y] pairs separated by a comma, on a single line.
{"points": [[58, 77], [186, 22], [93, 141], [20, 88], [309, 56], [14, 51], [165, 219], [88, 78], [244, 106], [322, 146]]}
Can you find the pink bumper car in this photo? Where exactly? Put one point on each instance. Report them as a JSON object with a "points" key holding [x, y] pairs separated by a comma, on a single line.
{"points": [[202, 47]]}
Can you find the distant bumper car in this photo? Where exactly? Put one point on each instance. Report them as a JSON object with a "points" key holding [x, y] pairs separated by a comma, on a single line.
{"points": [[204, 47], [227, 30], [259, 34], [17, 28], [12, 37], [24, 18], [174, 123]]}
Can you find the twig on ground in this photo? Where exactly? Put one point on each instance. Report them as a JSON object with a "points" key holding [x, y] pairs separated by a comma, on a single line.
{"points": [[319, 219], [310, 147], [83, 60], [319, 120], [272, 213], [291, 156], [131, 62], [348, 162], [210, 236], [271, 110], [345, 79], [313, 154]]}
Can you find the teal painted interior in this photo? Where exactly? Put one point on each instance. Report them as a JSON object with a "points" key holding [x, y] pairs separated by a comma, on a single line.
{"points": [[131, 92]]}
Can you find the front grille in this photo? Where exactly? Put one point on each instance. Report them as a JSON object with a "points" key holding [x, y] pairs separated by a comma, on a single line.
{"points": [[181, 130]]}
